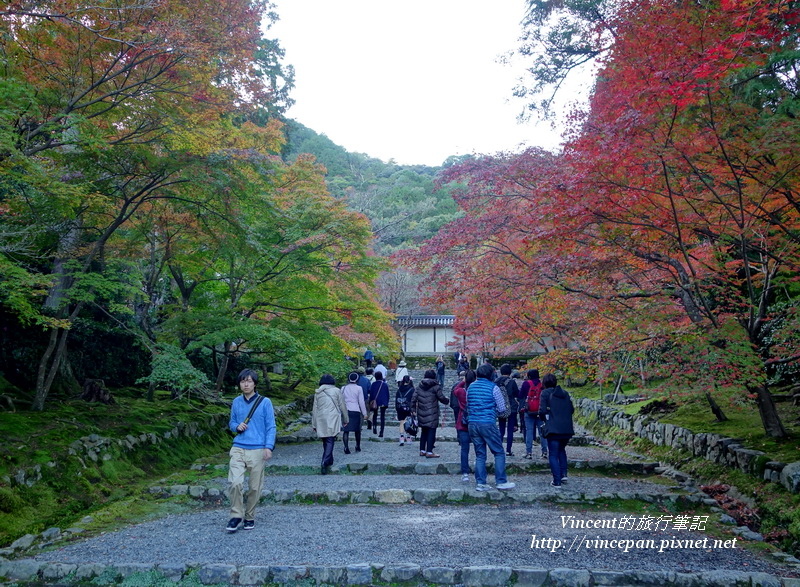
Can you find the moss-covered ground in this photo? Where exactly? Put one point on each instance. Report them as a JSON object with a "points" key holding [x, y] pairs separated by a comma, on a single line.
{"points": [[72, 488]]}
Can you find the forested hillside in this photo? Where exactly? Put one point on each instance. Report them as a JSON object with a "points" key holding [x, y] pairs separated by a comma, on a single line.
{"points": [[401, 201]]}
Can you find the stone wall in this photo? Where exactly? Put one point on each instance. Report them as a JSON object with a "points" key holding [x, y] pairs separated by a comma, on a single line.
{"points": [[96, 448], [716, 448]]}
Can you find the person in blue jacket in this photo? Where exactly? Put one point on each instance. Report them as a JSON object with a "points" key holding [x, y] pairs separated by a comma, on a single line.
{"points": [[252, 448]]}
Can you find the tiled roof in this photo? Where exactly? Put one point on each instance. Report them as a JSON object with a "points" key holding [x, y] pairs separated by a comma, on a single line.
{"points": [[426, 320]]}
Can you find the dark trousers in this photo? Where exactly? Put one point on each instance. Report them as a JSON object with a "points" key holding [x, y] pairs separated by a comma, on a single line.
{"points": [[427, 436], [346, 439], [382, 410], [507, 426], [557, 455], [327, 450], [464, 442]]}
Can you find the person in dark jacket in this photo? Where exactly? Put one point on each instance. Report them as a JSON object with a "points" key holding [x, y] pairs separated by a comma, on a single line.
{"points": [[556, 409], [508, 425], [402, 403], [425, 404], [378, 401]]}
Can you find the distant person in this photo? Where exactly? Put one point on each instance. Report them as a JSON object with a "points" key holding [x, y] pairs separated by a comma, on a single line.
{"points": [[378, 402], [484, 401], [380, 368], [508, 425], [463, 363], [556, 409], [253, 422], [462, 430], [327, 416], [440, 367], [402, 404], [368, 356], [531, 394], [401, 372], [369, 375], [425, 405], [356, 411]]}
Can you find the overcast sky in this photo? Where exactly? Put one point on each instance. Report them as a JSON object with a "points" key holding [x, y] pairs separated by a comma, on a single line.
{"points": [[414, 81]]}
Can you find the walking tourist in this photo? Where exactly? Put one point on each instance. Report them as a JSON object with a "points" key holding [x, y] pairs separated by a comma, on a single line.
{"points": [[508, 425], [356, 410], [484, 401], [555, 409], [327, 416], [530, 396], [253, 421], [378, 402], [462, 429], [401, 372], [402, 403], [425, 404], [440, 370]]}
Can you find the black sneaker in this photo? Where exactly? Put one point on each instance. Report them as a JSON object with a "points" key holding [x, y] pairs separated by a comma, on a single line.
{"points": [[233, 524], [249, 524]]}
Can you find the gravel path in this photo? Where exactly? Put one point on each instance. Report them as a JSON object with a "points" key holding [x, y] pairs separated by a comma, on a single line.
{"points": [[430, 536], [447, 535]]}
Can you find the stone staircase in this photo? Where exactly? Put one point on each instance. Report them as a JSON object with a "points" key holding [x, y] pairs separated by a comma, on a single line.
{"points": [[387, 516]]}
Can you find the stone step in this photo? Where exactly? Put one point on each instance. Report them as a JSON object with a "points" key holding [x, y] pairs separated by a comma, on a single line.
{"points": [[55, 573]]}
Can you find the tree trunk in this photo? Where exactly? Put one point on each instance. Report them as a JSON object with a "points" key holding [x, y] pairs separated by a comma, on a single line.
{"points": [[718, 413], [94, 390], [768, 412], [41, 375], [223, 368]]}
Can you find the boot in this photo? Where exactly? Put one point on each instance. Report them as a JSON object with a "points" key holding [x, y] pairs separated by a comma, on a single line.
{"points": [[346, 440]]}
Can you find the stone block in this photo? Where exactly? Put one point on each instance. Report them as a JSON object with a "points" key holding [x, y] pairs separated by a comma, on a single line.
{"points": [[764, 580], [178, 490], [790, 477], [427, 496], [360, 574], [441, 575], [530, 577], [288, 573], [725, 578], [487, 576], [89, 571], [20, 570], [455, 495], [327, 575], [363, 496], [391, 496], [214, 574], [570, 577], [56, 571], [23, 542], [400, 572], [426, 468], [197, 491], [172, 571]]}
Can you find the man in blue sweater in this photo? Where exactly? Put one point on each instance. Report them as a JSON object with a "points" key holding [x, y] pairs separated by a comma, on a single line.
{"points": [[484, 401], [253, 422]]}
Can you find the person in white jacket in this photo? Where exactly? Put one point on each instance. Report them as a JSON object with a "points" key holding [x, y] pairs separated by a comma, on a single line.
{"points": [[327, 416]]}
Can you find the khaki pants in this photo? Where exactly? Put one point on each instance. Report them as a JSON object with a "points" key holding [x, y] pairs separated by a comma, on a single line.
{"points": [[245, 461]]}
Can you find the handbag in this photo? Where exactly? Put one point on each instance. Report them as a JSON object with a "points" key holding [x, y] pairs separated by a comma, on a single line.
{"points": [[410, 426], [544, 429], [373, 405]]}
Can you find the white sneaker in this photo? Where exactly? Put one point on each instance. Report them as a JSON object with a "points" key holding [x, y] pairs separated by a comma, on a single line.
{"points": [[506, 485], [483, 487], [564, 479], [465, 477]]}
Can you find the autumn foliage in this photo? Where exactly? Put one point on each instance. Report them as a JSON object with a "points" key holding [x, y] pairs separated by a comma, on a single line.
{"points": [[667, 228]]}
